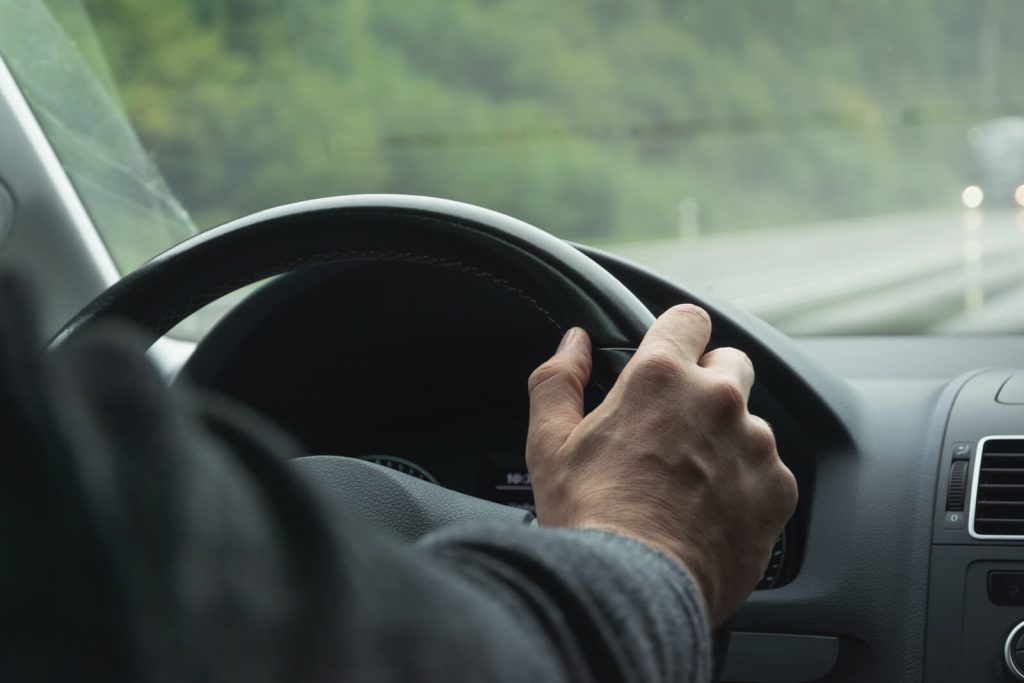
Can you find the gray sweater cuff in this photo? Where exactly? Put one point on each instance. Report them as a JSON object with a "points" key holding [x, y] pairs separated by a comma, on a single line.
{"points": [[613, 607]]}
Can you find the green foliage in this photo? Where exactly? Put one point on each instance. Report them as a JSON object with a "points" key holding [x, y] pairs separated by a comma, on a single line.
{"points": [[593, 120]]}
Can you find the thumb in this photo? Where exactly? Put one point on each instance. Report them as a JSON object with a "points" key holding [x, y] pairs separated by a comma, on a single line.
{"points": [[556, 392]]}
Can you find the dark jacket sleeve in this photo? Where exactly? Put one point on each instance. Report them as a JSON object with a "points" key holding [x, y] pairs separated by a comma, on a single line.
{"points": [[156, 535]]}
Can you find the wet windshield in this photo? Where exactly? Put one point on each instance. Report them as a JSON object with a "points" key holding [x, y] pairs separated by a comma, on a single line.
{"points": [[843, 167]]}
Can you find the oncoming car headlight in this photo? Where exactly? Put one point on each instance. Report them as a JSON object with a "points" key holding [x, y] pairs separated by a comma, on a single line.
{"points": [[972, 196]]}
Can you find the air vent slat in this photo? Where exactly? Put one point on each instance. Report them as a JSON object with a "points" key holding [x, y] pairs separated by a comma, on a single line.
{"points": [[997, 511], [990, 478], [999, 488]]}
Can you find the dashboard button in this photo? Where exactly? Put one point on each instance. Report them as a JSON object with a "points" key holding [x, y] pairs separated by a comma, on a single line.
{"points": [[1007, 588], [961, 450], [954, 520]]}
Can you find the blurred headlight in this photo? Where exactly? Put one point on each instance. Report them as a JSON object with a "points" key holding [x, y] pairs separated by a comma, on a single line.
{"points": [[1018, 195], [972, 196]]}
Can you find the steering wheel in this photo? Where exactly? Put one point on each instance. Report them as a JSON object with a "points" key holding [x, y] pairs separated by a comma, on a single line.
{"points": [[566, 287]]}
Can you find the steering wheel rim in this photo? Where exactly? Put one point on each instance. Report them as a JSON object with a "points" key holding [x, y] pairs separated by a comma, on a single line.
{"points": [[570, 287]]}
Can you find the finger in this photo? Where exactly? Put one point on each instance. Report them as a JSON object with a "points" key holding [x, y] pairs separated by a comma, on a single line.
{"points": [[556, 391], [682, 330], [762, 437], [732, 364]]}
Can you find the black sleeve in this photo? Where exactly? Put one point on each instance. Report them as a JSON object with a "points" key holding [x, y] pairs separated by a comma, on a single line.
{"points": [[155, 535]]}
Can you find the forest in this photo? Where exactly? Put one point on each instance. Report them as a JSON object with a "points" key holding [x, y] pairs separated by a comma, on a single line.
{"points": [[596, 120]]}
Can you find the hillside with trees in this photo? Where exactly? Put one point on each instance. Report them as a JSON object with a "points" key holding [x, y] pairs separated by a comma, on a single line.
{"points": [[594, 120]]}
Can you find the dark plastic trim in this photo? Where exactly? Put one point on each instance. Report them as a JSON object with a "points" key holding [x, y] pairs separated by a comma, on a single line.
{"points": [[767, 657]]}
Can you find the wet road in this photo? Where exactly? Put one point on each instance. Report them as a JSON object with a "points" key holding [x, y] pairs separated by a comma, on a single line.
{"points": [[961, 271]]}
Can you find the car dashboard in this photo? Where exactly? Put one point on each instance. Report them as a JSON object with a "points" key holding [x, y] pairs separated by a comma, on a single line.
{"points": [[870, 582]]}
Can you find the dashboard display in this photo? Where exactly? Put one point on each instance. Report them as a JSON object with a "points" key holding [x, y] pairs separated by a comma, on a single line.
{"points": [[506, 481]]}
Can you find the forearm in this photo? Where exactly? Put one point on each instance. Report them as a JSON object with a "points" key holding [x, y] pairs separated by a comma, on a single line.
{"points": [[611, 607]]}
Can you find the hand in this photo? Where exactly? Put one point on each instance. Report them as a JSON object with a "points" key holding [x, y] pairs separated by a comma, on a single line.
{"points": [[671, 457]]}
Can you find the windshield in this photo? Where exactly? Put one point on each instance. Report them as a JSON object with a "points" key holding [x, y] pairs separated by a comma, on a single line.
{"points": [[843, 167]]}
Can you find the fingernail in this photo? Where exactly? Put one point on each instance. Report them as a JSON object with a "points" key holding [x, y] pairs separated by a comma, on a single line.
{"points": [[568, 338]]}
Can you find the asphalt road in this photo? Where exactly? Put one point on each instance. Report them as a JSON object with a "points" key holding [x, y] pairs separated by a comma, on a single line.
{"points": [[956, 272]]}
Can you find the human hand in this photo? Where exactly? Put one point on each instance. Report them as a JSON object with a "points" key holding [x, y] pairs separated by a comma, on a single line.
{"points": [[671, 457]]}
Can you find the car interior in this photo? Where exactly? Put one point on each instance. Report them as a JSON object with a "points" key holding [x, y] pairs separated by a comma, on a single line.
{"points": [[903, 561]]}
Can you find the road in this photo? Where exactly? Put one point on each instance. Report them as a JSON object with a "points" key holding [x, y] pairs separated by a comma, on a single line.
{"points": [[955, 272]]}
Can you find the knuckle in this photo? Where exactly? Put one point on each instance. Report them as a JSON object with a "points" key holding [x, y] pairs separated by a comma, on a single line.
{"points": [[660, 366], [788, 489], [762, 437], [726, 397]]}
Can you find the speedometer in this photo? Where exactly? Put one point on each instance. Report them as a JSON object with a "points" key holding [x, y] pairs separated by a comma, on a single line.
{"points": [[401, 465]]}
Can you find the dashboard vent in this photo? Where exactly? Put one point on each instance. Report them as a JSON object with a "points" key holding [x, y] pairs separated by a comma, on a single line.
{"points": [[997, 494]]}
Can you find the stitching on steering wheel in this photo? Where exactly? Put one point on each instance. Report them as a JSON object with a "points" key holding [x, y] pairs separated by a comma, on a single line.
{"points": [[193, 304]]}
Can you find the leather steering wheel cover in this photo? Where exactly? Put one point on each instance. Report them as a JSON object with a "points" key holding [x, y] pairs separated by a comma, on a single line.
{"points": [[181, 280]]}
